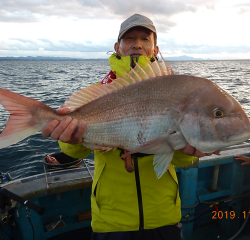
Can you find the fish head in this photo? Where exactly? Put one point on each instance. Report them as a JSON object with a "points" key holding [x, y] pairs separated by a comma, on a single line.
{"points": [[213, 119]]}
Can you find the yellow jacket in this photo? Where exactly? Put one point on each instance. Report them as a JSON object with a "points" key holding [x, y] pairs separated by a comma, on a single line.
{"points": [[114, 198]]}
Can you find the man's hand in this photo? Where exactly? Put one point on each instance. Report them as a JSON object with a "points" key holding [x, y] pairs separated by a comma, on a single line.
{"points": [[65, 131], [244, 158], [191, 151]]}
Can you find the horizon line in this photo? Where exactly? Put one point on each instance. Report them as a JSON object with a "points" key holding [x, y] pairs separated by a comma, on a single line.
{"points": [[181, 58]]}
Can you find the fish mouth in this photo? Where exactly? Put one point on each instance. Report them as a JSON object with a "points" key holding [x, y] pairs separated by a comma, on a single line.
{"points": [[238, 138]]}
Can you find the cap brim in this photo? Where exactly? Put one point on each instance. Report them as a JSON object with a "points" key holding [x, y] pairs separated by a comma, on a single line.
{"points": [[137, 25]]}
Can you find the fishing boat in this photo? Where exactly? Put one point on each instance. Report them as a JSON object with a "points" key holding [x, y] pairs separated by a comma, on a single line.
{"points": [[55, 205]]}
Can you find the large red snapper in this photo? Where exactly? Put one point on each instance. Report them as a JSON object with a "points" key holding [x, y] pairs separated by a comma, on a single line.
{"points": [[155, 116]]}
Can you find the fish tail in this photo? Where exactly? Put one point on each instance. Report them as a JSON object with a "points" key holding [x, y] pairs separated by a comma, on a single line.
{"points": [[21, 122]]}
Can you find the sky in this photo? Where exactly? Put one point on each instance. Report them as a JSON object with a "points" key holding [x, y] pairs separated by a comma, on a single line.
{"points": [[214, 29]]}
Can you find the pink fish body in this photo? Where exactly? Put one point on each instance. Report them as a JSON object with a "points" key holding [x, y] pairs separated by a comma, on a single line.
{"points": [[147, 111]]}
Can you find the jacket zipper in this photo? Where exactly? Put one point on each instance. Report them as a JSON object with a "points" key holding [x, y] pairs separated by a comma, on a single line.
{"points": [[139, 195]]}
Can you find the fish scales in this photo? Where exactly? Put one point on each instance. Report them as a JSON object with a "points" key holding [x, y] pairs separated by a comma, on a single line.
{"points": [[128, 113]]}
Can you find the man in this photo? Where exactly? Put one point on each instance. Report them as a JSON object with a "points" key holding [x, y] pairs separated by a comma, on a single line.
{"points": [[128, 205]]}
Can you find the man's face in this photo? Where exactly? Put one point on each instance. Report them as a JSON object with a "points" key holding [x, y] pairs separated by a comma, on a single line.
{"points": [[137, 41]]}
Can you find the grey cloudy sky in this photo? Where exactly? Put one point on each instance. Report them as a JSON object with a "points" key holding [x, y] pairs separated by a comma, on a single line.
{"points": [[89, 28]]}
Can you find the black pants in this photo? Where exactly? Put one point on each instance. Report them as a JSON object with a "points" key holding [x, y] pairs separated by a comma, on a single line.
{"points": [[163, 233]]}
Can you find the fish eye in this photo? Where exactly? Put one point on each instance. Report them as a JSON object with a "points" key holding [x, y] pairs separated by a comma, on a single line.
{"points": [[218, 113]]}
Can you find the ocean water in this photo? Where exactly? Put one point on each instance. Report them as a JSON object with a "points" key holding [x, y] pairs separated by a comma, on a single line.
{"points": [[53, 81]]}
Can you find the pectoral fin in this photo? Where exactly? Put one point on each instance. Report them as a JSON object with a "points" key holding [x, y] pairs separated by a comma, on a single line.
{"points": [[161, 162], [163, 147], [156, 146], [164, 144]]}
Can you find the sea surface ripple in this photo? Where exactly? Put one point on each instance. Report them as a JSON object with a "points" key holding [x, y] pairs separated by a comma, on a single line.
{"points": [[52, 82]]}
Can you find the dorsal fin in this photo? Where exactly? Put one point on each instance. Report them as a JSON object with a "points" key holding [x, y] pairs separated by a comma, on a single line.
{"points": [[137, 74]]}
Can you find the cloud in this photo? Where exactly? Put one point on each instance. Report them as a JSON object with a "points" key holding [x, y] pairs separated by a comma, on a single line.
{"points": [[51, 26], [163, 25], [244, 9], [32, 11], [160, 11], [171, 46], [49, 45], [165, 8]]}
